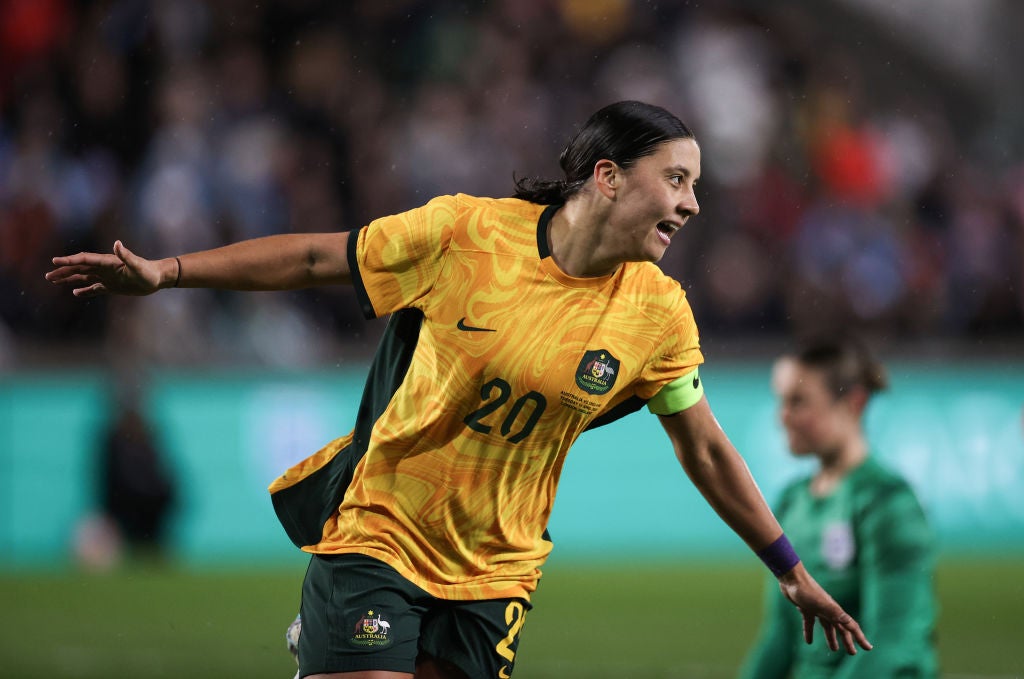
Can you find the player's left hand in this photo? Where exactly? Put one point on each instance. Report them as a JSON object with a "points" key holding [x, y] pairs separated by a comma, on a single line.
{"points": [[816, 605]]}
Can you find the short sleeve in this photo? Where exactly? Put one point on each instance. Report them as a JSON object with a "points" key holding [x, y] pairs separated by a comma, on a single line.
{"points": [[677, 353], [395, 260]]}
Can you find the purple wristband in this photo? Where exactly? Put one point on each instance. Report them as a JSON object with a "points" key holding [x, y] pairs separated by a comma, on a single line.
{"points": [[779, 556]]}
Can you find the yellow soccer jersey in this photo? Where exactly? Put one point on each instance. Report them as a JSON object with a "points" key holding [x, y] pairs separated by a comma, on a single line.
{"points": [[501, 361]]}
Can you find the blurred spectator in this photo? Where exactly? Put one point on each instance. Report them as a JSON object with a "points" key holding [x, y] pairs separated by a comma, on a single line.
{"points": [[837, 189], [137, 490]]}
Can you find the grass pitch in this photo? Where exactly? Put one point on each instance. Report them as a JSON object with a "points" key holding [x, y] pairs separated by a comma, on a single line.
{"points": [[691, 620]]}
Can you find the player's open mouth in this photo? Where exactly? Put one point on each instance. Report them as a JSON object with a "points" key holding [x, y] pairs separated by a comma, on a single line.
{"points": [[666, 229]]}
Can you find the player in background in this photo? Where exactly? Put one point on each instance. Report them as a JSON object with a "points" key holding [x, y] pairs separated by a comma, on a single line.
{"points": [[516, 324], [857, 525]]}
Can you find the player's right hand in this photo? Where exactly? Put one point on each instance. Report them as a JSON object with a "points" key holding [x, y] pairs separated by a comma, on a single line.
{"points": [[121, 273]]}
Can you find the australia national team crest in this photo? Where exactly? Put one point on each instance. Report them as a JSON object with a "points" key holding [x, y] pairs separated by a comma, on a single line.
{"points": [[597, 372], [372, 630]]}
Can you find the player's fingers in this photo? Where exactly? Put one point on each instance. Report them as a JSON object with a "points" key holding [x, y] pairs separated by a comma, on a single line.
{"points": [[87, 258], [63, 274], [848, 644], [72, 279], [808, 627], [91, 291], [66, 260], [830, 635], [59, 275], [130, 259], [853, 631]]}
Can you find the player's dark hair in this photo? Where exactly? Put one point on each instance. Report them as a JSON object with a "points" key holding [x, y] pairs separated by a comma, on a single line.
{"points": [[845, 363], [622, 132]]}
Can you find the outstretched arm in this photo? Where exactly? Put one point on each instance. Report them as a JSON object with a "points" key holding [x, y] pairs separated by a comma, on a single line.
{"points": [[283, 262], [721, 475]]}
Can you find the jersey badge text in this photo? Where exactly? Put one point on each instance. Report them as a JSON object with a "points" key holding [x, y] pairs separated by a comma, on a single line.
{"points": [[597, 372], [372, 631]]}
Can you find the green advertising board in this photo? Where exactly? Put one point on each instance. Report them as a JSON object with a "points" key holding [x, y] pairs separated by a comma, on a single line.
{"points": [[956, 434]]}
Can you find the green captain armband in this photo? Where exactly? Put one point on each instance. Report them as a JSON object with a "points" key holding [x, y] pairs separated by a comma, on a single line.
{"points": [[677, 395]]}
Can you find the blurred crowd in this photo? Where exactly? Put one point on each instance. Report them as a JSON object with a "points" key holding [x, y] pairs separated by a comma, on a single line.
{"points": [[828, 198]]}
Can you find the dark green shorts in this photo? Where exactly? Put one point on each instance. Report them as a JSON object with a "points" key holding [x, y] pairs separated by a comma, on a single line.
{"points": [[360, 614]]}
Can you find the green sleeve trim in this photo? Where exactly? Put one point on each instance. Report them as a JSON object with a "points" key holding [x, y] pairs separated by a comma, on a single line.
{"points": [[357, 278], [677, 395]]}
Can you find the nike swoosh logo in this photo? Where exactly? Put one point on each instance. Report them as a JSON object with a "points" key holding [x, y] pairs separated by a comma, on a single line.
{"points": [[469, 328]]}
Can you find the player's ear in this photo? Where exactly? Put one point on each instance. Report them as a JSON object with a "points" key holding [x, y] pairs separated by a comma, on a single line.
{"points": [[606, 177], [857, 398]]}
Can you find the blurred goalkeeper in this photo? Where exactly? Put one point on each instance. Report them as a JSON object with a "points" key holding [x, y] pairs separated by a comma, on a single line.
{"points": [[858, 526], [515, 325]]}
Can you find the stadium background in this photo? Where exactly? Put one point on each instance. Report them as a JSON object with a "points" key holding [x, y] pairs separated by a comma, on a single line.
{"points": [[862, 169]]}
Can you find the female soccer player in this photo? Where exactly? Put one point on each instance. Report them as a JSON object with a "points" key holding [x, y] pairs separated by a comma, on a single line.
{"points": [[858, 526], [515, 325]]}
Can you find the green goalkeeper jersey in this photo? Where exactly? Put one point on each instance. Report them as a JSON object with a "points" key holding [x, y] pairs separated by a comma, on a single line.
{"points": [[869, 545]]}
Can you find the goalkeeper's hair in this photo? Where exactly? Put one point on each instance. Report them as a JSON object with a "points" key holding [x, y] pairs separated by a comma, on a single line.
{"points": [[622, 132], [845, 362]]}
